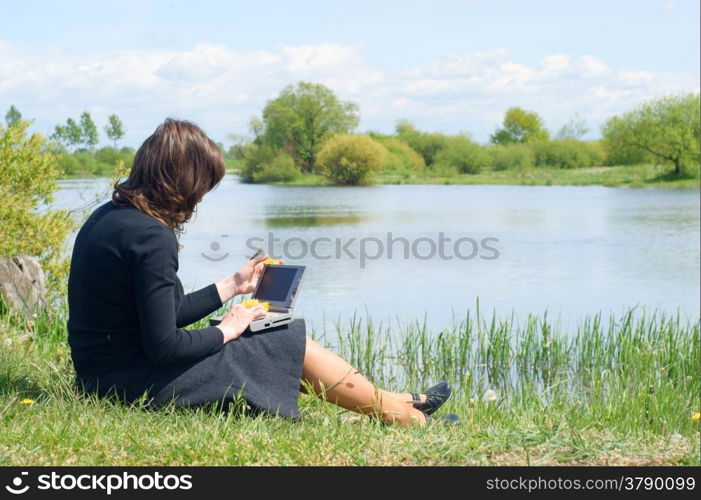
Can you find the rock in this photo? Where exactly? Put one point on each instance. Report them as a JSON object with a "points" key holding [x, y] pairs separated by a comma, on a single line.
{"points": [[22, 285]]}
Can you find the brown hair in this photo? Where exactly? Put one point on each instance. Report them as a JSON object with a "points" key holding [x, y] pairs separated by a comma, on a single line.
{"points": [[173, 169]]}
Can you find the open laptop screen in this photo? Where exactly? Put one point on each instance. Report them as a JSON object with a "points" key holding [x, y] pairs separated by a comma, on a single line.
{"points": [[278, 285]]}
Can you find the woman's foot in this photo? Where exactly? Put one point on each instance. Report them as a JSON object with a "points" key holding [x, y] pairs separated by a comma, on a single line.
{"points": [[432, 398]]}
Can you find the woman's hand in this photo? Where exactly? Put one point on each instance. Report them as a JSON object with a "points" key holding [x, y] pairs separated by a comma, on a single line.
{"points": [[242, 281], [237, 319], [247, 276]]}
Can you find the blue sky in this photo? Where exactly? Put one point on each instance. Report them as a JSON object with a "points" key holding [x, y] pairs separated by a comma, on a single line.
{"points": [[446, 65]]}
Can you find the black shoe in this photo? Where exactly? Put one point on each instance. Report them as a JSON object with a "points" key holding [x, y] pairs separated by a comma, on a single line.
{"points": [[435, 397], [447, 419]]}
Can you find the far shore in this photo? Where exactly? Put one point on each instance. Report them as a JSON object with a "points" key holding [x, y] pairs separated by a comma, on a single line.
{"points": [[618, 176]]}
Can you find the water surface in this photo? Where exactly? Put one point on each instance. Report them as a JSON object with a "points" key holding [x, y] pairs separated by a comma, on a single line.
{"points": [[571, 251]]}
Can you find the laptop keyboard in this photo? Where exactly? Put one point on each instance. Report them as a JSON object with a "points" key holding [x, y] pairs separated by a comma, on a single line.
{"points": [[274, 314]]}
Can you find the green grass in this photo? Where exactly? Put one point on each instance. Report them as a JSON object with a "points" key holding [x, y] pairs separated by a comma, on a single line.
{"points": [[615, 391], [630, 176]]}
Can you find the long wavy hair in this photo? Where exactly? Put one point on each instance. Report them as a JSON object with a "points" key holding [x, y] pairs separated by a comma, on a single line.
{"points": [[173, 169]]}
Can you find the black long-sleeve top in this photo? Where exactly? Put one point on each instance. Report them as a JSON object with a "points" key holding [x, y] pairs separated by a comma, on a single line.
{"points": [[126, 303]]}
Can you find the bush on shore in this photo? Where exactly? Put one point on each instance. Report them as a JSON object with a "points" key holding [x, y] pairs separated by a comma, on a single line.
{"points": [[428, 145], [282, 168], [28, 174], [265, 163], [98, 163], [512, 157], [400, 156], [568, 153], [465, 155], [350, 159]]}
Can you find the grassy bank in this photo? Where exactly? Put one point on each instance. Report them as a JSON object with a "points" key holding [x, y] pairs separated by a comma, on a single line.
{"points": [[623, 393], [629, 176]]}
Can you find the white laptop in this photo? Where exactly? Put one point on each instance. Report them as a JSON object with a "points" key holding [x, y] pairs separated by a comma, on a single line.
{"points": [[278, 285]]}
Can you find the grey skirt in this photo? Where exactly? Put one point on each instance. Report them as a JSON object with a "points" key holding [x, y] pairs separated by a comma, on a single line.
{"points": [[264, 367]]}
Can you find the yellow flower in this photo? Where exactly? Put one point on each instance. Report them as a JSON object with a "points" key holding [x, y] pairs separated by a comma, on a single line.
{"points": [[251, 303], [272, 262], [27, 401], [696, 417]]}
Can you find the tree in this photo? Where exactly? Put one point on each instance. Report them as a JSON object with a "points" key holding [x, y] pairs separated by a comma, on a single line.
{"points": [[12, 116], [69, 134], [256, 126], [664, 130], [28, 173], [576, 128], [302, 117], [240, 145], [114, 130], [88, 130], [520, 126]]}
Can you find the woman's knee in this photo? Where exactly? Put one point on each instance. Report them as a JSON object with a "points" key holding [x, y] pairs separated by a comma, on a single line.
{"points": [[298, 324]]}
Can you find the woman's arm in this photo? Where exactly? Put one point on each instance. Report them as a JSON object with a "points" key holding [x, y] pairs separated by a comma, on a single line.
{"points": [[226, 288], [196, 305], [244, 280], [154, 258]]}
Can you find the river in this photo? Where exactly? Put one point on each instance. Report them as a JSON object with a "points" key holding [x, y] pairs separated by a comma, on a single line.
{"points": [[571, 251]]}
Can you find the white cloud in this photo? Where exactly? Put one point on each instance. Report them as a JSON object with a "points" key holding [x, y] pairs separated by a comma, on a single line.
{"points": [[220, 87], [555, 64]]}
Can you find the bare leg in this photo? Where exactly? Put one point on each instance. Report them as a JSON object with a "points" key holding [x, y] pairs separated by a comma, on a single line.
{"points": [[336, 381], [405, 396]]}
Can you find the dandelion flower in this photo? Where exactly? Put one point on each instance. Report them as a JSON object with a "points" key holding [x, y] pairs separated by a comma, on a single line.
{"points": [[8, 342], [27, 401], [490, 396], [272, 262], [696, 417], [251, 303]]}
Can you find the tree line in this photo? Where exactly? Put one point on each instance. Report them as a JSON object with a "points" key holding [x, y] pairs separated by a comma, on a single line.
{"points": [[307, 129], [73, 142], [81, 132]]}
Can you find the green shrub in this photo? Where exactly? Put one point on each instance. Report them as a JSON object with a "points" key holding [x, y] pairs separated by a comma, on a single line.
{"points": [[99, 163], [466, 156], [428, 145], [567, 153], [107, 155], [68, 164], [400, 156], [350, 159], [512, 157], [28, 173], [597, 153], [443, 170], [281, 169], [256, 157]]}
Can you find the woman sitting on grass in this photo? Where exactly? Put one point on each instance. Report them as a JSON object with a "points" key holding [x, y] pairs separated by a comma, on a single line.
{"points": [[127, 307]]}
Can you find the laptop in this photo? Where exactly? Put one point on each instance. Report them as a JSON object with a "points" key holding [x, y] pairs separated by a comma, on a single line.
{"points": [[278, 285]]}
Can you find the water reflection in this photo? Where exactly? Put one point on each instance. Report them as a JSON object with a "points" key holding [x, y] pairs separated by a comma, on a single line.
{"points": [[311, 220]]}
